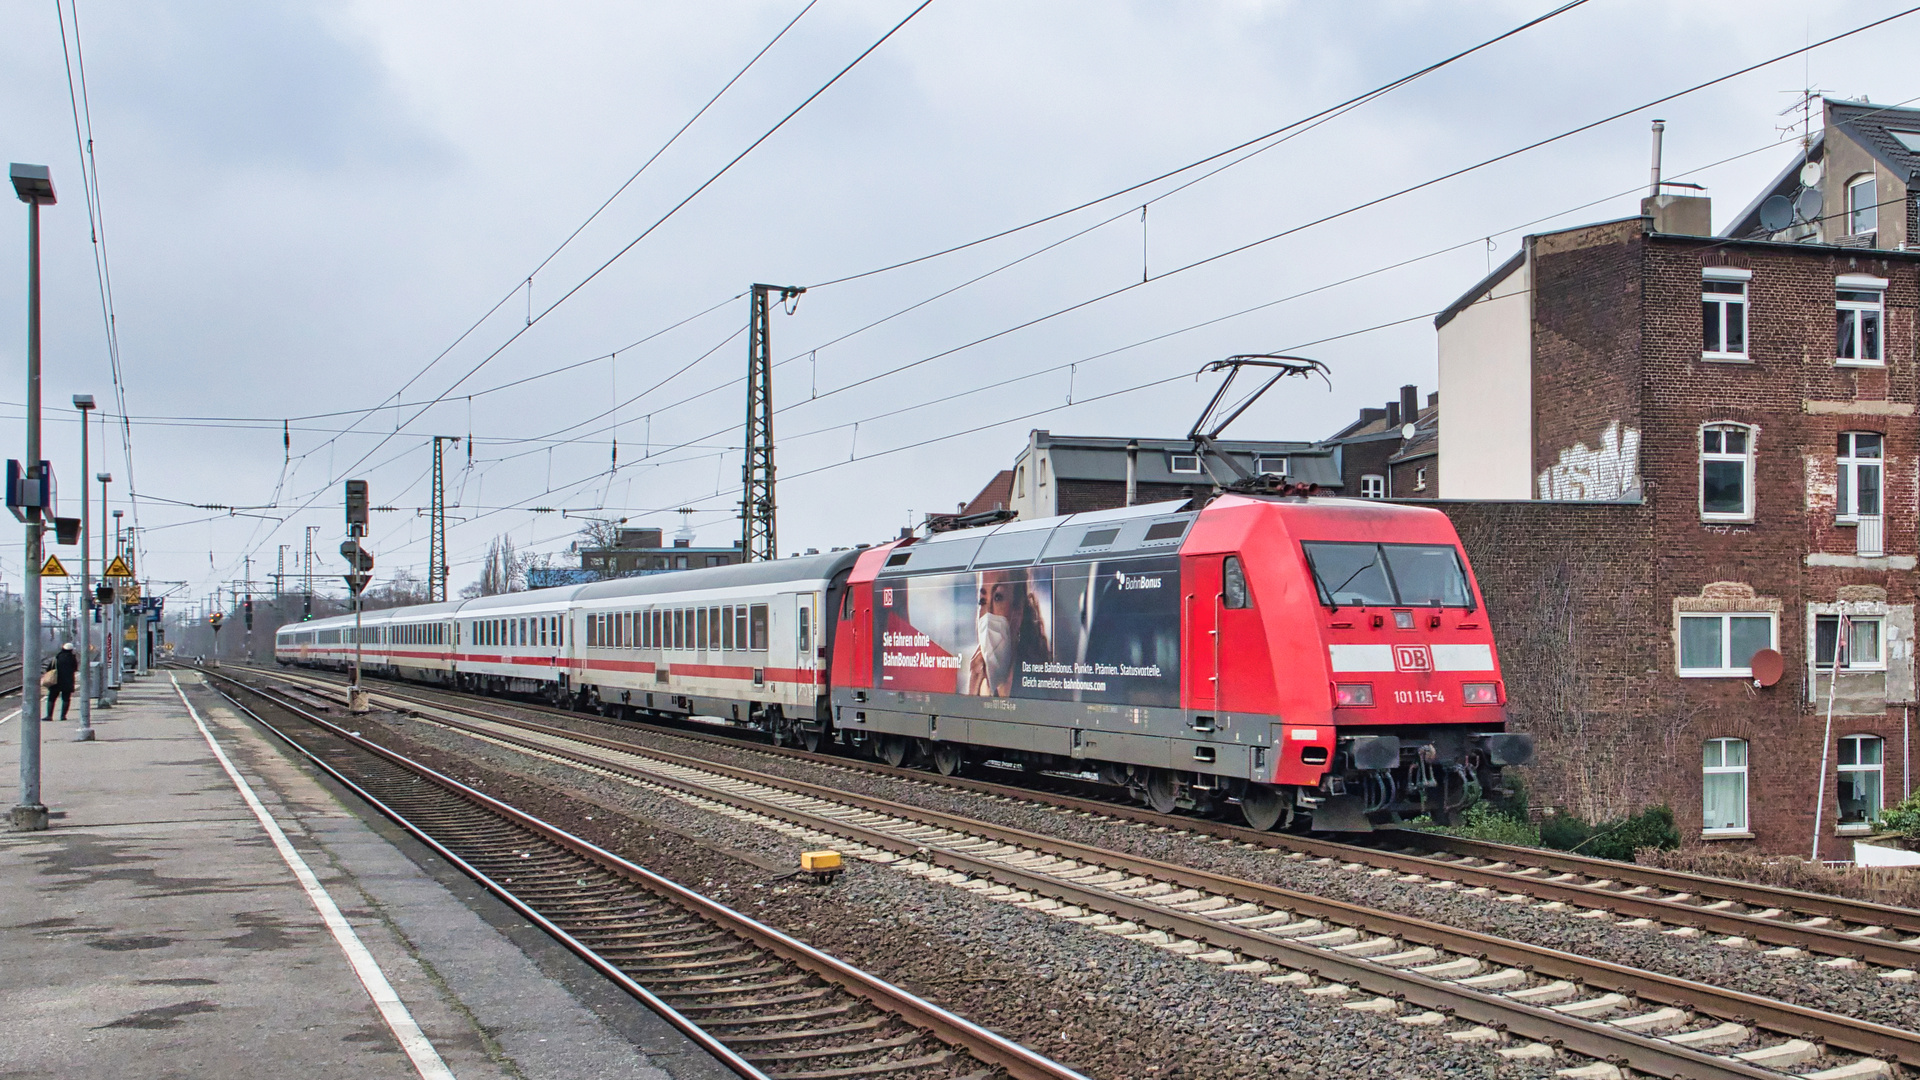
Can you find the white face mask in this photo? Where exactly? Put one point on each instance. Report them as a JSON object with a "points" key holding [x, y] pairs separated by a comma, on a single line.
{"points": [[996, 644]]}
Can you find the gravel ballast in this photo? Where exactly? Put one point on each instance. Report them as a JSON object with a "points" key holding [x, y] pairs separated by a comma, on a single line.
{"points": [[1109, 1007]]}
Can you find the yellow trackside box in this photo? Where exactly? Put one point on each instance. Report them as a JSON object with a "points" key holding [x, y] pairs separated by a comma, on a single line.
{"points": [[816, 862]]}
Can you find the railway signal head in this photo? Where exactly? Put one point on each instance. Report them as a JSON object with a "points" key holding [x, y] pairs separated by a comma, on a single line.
{"points": [[356, 508]]}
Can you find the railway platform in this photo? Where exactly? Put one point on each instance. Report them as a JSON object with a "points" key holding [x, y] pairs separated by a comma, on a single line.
{"points": [[204, 906]]}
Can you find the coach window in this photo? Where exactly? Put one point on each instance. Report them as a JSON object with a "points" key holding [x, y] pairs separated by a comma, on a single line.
{"points": [[1723, 787], [726, 628], [1860, 319], [1723, 313], [806, 643], [1233, 584], [740, 627], [757, 628], [700, 625], [1726, 472], [1862, 770], [1721, 645], [713, 628]]}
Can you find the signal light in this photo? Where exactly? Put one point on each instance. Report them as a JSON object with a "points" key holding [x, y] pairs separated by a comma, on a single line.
{"points": [[1353, 695], [1481, 693]]}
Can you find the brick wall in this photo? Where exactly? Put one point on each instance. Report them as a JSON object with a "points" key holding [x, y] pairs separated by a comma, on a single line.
{"points": [[1080, 496], [1406, 477], [1586, 334]]}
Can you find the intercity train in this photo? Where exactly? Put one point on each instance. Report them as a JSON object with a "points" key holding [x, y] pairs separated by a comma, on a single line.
{"points": [[1313, 662]]}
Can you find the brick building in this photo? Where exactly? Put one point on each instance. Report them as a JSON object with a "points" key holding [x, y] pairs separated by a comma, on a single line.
{"points": [[643, 551], [1067, 474], [1391, 452], [1669, 453]]}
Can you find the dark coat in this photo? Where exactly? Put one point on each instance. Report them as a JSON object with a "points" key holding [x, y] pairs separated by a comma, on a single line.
{"points": [[65, 666]]}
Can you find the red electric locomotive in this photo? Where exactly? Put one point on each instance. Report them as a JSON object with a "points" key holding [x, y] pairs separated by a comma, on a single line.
{"points": [[1316, 661]]}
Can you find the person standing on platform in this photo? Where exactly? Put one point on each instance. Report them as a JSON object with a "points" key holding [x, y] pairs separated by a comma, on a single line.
{"points": [[65, 665]]}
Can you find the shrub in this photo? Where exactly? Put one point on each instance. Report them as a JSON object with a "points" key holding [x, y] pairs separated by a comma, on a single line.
{"points": [[1904, 817], [1650, 828], [1485, 821], [1564, 832]]}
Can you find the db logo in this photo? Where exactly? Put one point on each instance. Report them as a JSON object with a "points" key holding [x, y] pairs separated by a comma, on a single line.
{"points": [[886, 597], [1412, 658]]}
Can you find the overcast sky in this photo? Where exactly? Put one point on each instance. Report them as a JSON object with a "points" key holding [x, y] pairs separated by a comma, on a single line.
{"points": [[306, 204]]}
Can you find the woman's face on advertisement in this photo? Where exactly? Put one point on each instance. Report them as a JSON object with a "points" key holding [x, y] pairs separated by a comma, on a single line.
{"points": [[997, 595]]}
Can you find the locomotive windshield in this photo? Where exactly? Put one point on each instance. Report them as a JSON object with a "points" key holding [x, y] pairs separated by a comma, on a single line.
{"points": [[1386, 575]]}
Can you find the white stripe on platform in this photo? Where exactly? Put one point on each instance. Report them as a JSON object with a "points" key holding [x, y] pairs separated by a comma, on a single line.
{"points": [[426, 1060], [9, 716]]}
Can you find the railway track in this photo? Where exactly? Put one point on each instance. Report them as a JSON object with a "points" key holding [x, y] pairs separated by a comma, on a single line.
{"points": [[764, 1004], [1471, 987], [1736, 913]]}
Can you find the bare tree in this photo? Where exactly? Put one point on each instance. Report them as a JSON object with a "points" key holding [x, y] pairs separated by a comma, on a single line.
{"points": [[599, 534], [502, 571]]}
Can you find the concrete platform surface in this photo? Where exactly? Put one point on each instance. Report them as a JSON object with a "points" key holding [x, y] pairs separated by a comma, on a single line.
{"points": [[157, 931]]}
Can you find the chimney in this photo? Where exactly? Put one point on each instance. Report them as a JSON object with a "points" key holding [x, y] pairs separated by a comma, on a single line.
{"points": [[1659, 136], [1409, 404], [1690, 214], [1393, 414]]}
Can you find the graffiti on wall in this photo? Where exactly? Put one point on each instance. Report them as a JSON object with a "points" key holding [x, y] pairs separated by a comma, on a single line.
{"points": [[1583, 472]]}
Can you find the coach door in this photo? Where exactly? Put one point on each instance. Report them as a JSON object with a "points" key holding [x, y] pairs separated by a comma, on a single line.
{"points": [[1200, 636]]}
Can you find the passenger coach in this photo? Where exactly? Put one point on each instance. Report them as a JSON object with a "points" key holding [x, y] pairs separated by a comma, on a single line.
{"points": [[1308, 660]]}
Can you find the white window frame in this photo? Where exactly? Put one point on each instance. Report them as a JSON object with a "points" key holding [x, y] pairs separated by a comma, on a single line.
{"points": [[1275, 465], [1373, 486], [1871, 182], [1877, 308], [1724, 275], [1852, 663], [1878, 769], [1420, 479], [1747, 457], [1723, 769], [1174, 460], [1727, 669], [1847, 465]]}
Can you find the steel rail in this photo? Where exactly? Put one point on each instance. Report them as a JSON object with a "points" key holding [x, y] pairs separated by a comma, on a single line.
{"points": [[1894, 954], [987, 1046], [1860, 1036]]}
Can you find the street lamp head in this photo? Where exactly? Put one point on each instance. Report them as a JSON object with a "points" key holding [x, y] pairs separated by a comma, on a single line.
{"points": [[33, 183], [83, 401], [104, 477]]}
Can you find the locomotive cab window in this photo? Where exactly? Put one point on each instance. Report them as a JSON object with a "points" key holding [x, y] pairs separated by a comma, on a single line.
{"points": [[1387, 575], [1233, 584]]}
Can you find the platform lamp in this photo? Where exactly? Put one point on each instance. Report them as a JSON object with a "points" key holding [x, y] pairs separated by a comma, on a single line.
{"points": [[33, 184], [84, 402]]}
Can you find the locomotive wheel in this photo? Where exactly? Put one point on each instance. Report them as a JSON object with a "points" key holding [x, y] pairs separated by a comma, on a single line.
{"points": [[1162, 792], [810, 741], [893, 750], [948, 759], [1262, 806]]}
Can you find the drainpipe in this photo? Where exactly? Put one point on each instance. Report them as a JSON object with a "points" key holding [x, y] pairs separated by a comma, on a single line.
{"points": [[1133, 471]]}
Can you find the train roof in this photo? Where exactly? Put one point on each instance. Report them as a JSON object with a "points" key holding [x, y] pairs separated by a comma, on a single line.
{"points": [[774, 572]]}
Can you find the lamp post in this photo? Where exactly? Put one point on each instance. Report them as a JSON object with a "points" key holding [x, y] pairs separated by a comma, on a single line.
{"points": [[107, 695], [34, 186], [84, 402]]}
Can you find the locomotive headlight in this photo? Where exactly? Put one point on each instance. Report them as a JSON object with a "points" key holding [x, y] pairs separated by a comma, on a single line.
{"points": [[1480, 693], [1353, 694]]}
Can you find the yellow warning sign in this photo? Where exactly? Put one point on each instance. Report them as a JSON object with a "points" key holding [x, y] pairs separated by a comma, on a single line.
{"points": [[117, 568], [53, 567]]}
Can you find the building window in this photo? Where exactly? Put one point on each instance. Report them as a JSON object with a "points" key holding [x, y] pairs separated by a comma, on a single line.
{"points": [[1419, 479], [1859, 459], [1723, 317], [1726, 472], [1863, 651], [1373, 486], [1859, 318], [1723, 786], [1722, 645], [1183, 463], [1275, 465], [1863, 205], [1862, 771]]}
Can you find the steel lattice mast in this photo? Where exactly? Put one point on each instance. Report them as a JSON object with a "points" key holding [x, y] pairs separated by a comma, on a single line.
{"points": [[756, 472], [437, 569]]}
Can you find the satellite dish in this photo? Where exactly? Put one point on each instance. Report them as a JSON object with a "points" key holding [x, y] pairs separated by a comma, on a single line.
{"points": [[1810, 174], [1807, 205], [1406, 431], [1776, 213], [1768, 665]]}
